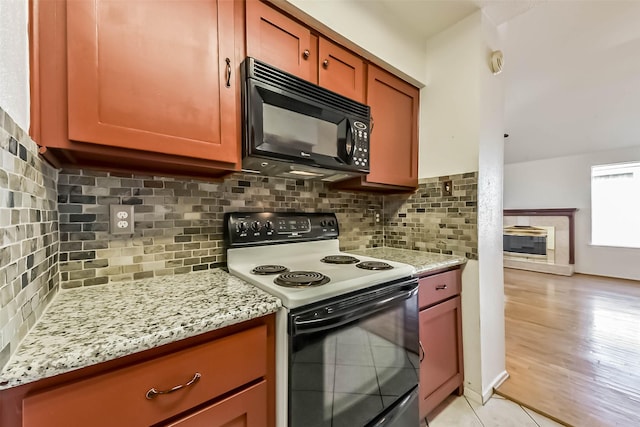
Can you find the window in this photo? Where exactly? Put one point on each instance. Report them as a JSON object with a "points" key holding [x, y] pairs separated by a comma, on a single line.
{"points": [[615, 205]]}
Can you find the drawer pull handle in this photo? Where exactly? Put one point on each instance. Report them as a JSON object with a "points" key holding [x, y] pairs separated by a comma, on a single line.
{"points": [[153, 392], [441, 287], [421, 351]]}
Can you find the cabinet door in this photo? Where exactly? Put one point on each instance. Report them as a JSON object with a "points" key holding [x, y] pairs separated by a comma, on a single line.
{"points": [[247, 408], [278, 40], [394, 136], [441, 367], [340, 70], [154, 76]]}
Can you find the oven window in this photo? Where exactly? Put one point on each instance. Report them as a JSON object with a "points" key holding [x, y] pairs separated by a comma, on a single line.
{"points": [[346, 376], [286, 130]]}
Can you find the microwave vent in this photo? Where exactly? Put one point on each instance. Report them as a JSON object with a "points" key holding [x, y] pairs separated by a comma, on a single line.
{"points": [[276, 77]]}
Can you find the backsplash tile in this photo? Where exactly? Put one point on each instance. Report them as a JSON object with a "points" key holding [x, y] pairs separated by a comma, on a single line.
{"points": [[428, 221], [28, 235], [179, 223]]}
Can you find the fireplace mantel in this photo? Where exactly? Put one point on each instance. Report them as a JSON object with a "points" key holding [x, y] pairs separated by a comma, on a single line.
{"points": [[568, 212]]}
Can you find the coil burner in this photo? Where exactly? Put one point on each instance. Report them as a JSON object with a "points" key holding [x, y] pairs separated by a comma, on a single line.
{"points": [[301, 279], [374, 265], [340, 259], [269, 269]]}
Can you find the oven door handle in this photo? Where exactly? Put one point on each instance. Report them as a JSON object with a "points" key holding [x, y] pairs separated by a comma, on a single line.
{"points": [[310, 323]]}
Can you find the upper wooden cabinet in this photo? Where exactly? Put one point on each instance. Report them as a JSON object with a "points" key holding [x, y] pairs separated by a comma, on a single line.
{"points": [[394, 135], [160, 78], [340, 70], [278, 40]]}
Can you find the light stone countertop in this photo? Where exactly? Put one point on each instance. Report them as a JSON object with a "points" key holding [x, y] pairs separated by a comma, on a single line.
{"points": [[424, 262], [86, 326]]}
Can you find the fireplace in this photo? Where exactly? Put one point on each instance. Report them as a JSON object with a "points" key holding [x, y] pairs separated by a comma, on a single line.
{"points": [[539, 240], [525, 240]]}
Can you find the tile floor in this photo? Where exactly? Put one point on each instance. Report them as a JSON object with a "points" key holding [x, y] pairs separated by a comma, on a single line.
{"points": [[497, 412]]}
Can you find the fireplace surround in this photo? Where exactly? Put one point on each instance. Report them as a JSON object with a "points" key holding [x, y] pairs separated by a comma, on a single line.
{"points": [[540, 240]]}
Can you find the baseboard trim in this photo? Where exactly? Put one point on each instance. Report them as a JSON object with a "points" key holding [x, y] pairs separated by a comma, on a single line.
{"points": [[470, 394], [497, 382]]}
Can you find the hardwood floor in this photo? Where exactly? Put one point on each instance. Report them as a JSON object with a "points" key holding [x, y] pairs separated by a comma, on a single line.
{"points": [[573, 347]]}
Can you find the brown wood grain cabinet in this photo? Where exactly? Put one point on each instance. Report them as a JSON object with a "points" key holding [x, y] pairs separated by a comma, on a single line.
{"points": [[227, 380], [340, 70], [394, 136], [150, 85], [441, 367], [289, 45], [278, 40]]}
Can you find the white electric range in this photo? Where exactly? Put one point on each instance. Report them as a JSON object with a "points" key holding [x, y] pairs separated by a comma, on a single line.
{"points": [[334, 304]]}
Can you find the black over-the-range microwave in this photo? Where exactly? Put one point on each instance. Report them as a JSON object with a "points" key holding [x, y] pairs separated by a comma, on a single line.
{"points": [[293, 128]]}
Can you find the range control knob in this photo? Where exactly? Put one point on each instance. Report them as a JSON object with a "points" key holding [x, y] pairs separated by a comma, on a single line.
{"points": [[256, 226], [323, 223], [242, 227], [268, 225], [332, 223]]}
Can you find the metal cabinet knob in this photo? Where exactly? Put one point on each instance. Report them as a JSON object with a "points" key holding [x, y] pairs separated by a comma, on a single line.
{"points": [[325, 64], [306, 54]]}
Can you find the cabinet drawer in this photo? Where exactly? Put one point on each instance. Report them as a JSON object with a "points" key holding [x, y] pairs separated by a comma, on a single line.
{"points": [[119, 397], [247, 408], [438, 287]]}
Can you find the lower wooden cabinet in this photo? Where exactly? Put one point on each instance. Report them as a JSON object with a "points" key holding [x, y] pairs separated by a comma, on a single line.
{"points": [[222, 378], [247, 408], [441, 367]]}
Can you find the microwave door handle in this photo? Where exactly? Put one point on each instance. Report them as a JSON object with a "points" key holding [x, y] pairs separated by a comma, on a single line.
{"points": [[350, 141]]}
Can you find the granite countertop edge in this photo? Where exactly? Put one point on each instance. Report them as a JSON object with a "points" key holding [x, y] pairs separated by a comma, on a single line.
{"points": [[76, 330], [423, 262]]}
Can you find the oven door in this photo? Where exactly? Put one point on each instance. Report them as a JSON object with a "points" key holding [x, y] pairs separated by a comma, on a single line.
{"points": [[354, 361]]}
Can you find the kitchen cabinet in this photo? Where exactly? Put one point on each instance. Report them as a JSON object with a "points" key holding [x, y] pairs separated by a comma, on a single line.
{"points": [[340, 70], [221, 378], [440, 320], [244, 409], [394, 135], [115, 86], [278, 40]]}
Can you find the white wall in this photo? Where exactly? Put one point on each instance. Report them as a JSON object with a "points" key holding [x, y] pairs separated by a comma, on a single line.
{"points": [[490, 189], [462, 131], [14, 61], [565, 182], [368, 25], [449, 116]]}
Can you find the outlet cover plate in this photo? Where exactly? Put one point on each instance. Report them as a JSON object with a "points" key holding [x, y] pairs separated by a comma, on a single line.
{"points": [[447, 188], [121, 219]]}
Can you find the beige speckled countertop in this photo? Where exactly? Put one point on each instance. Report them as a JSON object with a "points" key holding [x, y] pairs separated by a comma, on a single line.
{"points": [[423, 262], [87, 326]]}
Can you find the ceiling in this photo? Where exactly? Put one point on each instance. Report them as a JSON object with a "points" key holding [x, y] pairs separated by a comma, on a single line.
{"points": [[428, 17], [572, 69]]}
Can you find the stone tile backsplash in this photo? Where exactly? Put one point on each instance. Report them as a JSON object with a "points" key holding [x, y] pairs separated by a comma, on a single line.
{"points": [[28, 235], [54, 225], [428, 221], [179, 223]]}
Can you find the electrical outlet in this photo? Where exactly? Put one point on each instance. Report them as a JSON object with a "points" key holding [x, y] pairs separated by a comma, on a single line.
{"points": [[121, 219], [447, 188]]}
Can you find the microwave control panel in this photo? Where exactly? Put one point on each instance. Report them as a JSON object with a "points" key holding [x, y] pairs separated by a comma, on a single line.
{"points": [[361, 142]]}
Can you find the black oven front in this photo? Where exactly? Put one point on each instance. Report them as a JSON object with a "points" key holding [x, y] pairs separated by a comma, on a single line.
{"points": [[354, 359]]}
